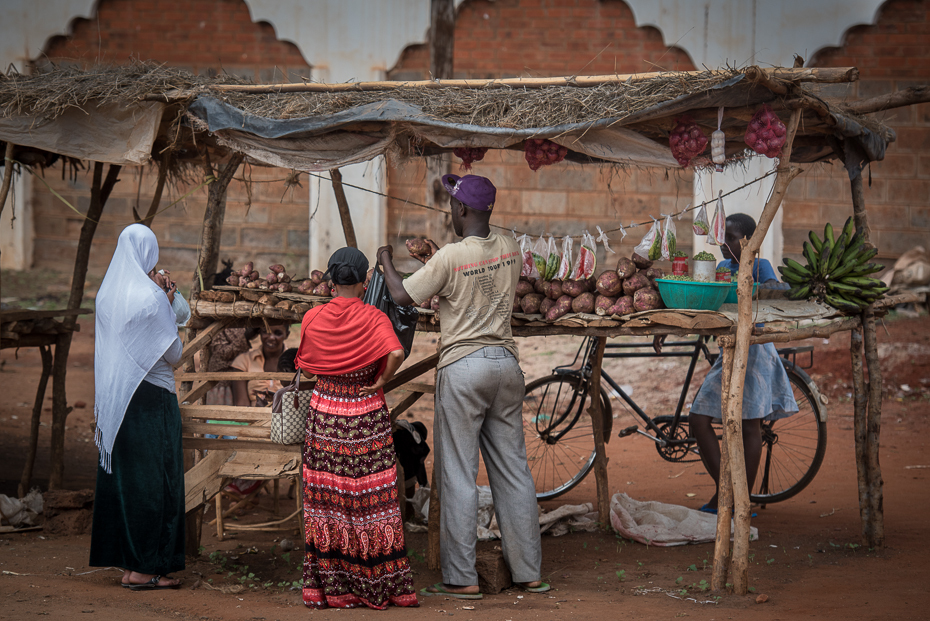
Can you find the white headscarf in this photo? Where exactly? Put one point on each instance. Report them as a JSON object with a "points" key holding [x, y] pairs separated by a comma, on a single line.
{"points": [[134, 326]]}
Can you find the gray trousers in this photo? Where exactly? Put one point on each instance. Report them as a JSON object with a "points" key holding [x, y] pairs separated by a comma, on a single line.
{"points": [[479, 403]]}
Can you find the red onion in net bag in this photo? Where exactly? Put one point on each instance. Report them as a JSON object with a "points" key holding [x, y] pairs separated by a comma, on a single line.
{"points": [[541, 152], [766, 133], [469, 155], [686, 141]]}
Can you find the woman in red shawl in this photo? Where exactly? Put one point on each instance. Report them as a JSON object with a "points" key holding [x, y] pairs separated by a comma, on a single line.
{"points": [[355, 553]]}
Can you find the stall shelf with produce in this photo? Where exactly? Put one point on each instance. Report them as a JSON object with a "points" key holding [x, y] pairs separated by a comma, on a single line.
{"points": [[626, 120]]}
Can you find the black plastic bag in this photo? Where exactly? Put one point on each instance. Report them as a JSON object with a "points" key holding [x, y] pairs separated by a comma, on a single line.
{"points": [[403, 318]]}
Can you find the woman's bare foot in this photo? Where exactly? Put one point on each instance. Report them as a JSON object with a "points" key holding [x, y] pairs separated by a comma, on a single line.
{"points": [[135, 579]]}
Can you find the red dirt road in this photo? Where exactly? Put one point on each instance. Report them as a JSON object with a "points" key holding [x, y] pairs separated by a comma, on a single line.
{"points": [[808, 560]]}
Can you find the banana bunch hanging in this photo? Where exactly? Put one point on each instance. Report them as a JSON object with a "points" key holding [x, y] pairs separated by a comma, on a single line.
{"points": [[837, 270]]}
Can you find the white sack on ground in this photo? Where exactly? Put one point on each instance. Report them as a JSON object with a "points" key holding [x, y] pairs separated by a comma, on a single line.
{"points": [[21, 512], [659, 524]]}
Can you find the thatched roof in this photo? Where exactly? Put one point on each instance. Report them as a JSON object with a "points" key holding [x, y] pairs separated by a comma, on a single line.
{"points": [[620, 119]]}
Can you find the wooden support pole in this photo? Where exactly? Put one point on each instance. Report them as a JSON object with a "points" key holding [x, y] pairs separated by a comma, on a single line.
{"points": [[860, 426], [213, 221], [873, 525], [595, 411], [725, 484], [733, 428], [432, 526], [7, 174], [159, 188], [341, 202], [26, 480], [100, 192]]}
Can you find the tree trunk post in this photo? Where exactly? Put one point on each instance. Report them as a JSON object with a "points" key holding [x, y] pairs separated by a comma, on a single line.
{"points": [[737, 464], [26, 480], [213, 220], [860, 426], [597, 422], [432, 527], [722, 555], [100, 192], [344, 214]]}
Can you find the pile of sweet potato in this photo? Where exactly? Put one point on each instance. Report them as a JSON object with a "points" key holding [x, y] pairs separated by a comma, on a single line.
{"points": [[629, 288], [277, 278]]}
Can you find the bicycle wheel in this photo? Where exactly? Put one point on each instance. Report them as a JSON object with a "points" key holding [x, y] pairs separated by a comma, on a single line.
{"points": [[558, 432], [793, 447]]}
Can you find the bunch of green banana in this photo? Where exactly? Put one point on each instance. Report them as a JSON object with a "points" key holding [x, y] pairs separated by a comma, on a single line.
{"points": [[837, 270]]}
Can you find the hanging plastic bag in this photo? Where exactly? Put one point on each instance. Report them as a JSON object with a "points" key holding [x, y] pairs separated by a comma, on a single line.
{"points": [[540, 255], [718, 142], [669, 241], [650, 247], [565, 259], [586, 262], [529, 265], [553, 258], [403, 318], [718, 229], [602, 237], [700, 224]]}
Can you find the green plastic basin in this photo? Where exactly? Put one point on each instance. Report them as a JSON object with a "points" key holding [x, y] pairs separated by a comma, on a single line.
{"points": [[731, 295], [692, 295]]}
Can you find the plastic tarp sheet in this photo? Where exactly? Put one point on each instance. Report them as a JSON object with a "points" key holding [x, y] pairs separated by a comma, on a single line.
{"points": [[323, 142], [113, 134]]}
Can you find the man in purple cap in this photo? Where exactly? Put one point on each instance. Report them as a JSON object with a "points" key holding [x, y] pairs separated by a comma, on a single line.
{"points": [[479, 390]]}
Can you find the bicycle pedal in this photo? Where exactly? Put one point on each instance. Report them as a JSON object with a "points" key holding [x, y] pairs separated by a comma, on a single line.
{"points": [[628, 431]]}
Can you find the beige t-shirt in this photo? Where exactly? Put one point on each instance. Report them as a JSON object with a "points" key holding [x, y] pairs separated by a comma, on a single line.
{"points": [[476, 280]]}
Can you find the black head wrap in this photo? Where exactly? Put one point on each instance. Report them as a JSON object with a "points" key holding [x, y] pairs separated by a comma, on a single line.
{"points": [[347, 266]]}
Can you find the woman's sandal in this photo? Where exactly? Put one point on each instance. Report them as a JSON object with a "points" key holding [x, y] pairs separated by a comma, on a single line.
{"points": [[440, 589], [151, 584]]}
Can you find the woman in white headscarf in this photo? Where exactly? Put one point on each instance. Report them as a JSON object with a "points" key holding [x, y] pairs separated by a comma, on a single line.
{"points": [[139, 505]]}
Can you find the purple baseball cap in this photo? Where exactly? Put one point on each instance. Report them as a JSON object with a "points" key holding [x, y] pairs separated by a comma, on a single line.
{"points": [[474, 191]]}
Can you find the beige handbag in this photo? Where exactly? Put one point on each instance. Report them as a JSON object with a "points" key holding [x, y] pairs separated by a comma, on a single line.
{"points": [[289, 410]]}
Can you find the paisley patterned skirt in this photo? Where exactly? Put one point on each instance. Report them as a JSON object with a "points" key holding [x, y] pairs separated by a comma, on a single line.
{"points": [[355, 553]]}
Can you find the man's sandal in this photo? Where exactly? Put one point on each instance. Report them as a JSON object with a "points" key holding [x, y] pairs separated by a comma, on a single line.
{"points": [[440, 589], [542, 587]]}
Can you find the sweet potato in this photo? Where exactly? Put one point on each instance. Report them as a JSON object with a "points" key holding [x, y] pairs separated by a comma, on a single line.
{"points": [[516, 305], [529, 279], [523, 288], [285, 287], [584, 303], [624, 306], [546, 305], [252, 284], [655, 272], [540, 286], [282, 277], [305, 286], [555, 289], [254, 275], [233, 280], [271, 278], [591, 283], [609, 283], [243, 281], [634, 283], [321, 289], [418, 246], [277, 268], [247, 269], [425, 303], [316, 276], [625, 267], [603, 304], [434, 303], [574, 288], [559, 307], [641, 262], [647, 299], [530, 303]]}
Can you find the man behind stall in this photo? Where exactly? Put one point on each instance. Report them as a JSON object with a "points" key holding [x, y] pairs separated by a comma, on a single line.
{"points": [[479, 389]]}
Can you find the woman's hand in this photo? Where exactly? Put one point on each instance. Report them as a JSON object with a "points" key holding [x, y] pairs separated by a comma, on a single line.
{"points": [[367, 391], [394, 360]]}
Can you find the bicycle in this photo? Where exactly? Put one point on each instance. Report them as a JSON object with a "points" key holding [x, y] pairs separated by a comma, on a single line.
{"points": [[560, 436]]}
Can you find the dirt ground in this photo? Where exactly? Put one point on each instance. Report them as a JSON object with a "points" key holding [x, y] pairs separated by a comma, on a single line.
{"points": [[808, 559]]}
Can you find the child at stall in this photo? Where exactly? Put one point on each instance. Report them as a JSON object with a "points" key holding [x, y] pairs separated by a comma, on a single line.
{"points": [[767, 393]]}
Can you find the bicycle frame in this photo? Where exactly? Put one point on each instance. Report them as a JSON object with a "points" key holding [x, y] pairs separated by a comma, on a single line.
{"points": [[697, 347]]}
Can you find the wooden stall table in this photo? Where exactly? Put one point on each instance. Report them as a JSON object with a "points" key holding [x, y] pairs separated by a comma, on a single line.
{"points": [[42, 329]]}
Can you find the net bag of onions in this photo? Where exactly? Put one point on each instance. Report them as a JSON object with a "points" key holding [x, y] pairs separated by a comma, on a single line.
{"points": [[686, 141], [469, 155], [766, 133], [540, 152]]}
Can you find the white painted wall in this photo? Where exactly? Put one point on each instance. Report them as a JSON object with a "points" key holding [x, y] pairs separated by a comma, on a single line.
{"points": [[25, 26], [716, 33], [357, 41]]}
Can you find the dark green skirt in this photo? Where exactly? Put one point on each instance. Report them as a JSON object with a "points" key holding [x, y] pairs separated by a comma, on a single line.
{"points": [[139, 507]]}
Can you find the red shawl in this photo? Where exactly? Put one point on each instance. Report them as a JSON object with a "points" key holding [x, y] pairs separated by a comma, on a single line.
{"points": [[344, 335]]}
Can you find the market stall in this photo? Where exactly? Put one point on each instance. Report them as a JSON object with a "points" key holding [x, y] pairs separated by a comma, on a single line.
{"points": [[626, 120]]}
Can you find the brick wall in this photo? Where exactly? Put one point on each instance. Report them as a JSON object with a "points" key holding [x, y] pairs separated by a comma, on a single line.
{"points": [[265, 220], [893, 54], [539, 38]]}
